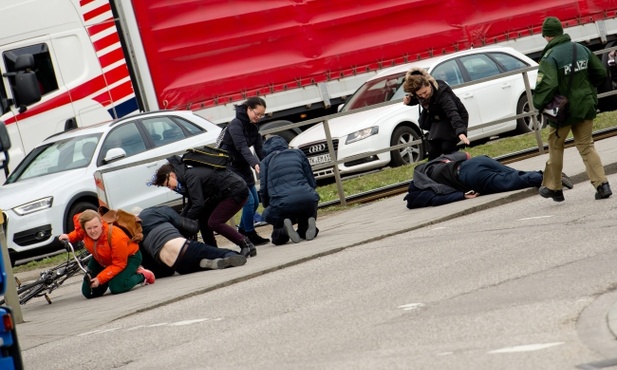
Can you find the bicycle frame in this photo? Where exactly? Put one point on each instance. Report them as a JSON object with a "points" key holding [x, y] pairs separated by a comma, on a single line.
{"points": [[53, 278]]}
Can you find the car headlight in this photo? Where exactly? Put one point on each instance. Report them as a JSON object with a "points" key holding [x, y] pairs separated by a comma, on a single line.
{"points": [[34, 206], [362, 134]]}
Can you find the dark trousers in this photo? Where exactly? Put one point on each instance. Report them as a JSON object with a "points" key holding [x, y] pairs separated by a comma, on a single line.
{"points": [[121, 283], [193, 252], [438, 147], [299, 214], [487, 176], [214, 219]]}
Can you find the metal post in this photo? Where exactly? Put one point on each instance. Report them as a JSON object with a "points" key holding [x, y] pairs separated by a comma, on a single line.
{"points": [[337, 175], [536, 124], [10, 295]]}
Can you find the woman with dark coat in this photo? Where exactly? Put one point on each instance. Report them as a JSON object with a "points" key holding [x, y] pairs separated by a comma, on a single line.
{"points": [[213, 197], [443, 115], [240, 135], [287, 188]]}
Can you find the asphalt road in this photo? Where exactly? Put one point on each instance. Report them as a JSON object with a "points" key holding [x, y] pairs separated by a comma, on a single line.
{"points": [[524, 285]]}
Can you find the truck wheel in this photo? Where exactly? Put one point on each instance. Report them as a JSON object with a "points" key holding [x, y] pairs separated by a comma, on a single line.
{"points": [[525, 124], [411, 154], [287, 135], [75, 209]]}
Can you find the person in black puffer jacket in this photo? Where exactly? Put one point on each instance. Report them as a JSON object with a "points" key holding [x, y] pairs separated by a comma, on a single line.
{"points": [[443, 115], [287, 188], [213, 197], [240, 135]]}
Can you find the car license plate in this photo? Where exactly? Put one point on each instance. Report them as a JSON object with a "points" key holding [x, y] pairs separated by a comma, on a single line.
{"points": [[319, 159]]}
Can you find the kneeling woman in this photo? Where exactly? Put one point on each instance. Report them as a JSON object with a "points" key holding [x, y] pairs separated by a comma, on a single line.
{"points": [[116, 262]]}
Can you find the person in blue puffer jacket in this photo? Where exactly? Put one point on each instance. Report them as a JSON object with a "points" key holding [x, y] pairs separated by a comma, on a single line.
{"points": [[287, 189]]}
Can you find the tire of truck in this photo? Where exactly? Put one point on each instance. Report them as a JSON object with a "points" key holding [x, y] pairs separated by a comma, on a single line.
{"points": [[288, 135], [76, 208], [411, 154], [525, 124], [607, 103]]}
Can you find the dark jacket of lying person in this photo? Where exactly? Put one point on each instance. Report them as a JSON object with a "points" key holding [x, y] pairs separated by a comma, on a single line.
{"points": [[456, 176]]}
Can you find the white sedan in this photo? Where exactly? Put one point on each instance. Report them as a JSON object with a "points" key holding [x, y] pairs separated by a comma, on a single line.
{"points": [[55, 180], [382, 127]]}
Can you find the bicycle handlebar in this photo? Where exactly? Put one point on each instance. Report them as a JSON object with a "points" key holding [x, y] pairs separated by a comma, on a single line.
{"points": [[70, 249]]}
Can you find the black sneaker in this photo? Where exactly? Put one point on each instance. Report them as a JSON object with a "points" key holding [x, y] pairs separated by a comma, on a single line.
{"points": [[557, 195], [603, 191], [566, 181], [255, 238]]}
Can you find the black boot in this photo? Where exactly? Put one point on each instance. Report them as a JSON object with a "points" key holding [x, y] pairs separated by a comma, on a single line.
{"points": [[247, 248], [557, 195], [603, 191], [256, 239]]}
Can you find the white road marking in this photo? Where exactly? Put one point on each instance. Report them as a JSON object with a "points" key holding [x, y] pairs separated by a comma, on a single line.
{"points": [[135, 327], [159, 324], [89, 333], [187, 322], [533, 218], [411, 306], [527, 347], [178, 323]]}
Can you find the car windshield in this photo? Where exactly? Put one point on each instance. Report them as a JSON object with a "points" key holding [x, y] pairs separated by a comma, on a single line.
{"points": [[59, 156], [377, 91]]}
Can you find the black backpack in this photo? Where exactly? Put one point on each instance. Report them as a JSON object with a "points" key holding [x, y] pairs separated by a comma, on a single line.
{"points": [[207, 155]]}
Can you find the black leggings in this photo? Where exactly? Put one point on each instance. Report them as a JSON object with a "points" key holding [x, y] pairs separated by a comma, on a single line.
{"points": [[193, 252]]}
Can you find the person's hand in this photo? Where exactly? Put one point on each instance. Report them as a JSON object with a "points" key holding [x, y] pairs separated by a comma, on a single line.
{"points": [[63, 237], [94, 283], [257, 168], [471, 194], [464, 139], [406, 99]]}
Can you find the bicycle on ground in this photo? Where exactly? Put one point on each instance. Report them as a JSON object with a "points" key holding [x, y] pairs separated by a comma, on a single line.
{"points": [[51, 279]]}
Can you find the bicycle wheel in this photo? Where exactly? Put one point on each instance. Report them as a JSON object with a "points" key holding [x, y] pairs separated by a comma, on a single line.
{"points": [[35, 291], [21, 290]]}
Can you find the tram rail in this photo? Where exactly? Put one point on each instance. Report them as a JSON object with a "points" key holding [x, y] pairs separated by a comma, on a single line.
{"points": [[401, 187]]}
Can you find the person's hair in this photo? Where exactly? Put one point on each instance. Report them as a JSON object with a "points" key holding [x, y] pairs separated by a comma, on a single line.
{"points": [[254, 101], [415, 79], [162, 174], [86, 216]]}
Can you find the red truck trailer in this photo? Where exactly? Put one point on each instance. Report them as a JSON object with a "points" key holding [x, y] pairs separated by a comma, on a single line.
{"points": [[101, 59]]}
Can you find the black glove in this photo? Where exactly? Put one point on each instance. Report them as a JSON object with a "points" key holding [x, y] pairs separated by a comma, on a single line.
{"points": [[188, 228]]}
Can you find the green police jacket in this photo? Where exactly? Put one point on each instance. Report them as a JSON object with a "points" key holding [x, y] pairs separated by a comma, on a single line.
{"points": [[554, 78]]}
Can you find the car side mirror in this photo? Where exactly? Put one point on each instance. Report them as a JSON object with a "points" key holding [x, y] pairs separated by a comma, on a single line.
{"points": [[114, 154]]}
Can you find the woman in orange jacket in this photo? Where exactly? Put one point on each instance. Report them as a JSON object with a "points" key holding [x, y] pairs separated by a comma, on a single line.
{"points": [[116, 264]]}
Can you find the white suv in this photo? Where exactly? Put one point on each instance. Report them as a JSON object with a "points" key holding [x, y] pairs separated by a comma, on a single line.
{"points": [[385, 126], [55, 180]]}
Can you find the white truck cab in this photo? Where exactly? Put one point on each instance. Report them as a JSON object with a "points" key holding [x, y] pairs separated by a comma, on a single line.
{"points": [[79, 74]]}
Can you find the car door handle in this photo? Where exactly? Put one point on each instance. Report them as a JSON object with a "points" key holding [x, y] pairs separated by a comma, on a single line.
{"points": [[506, 85], [468, 96]]}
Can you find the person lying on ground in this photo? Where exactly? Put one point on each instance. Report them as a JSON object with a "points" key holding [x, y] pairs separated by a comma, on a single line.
{"points": [[457, 176], [168, 246]]}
